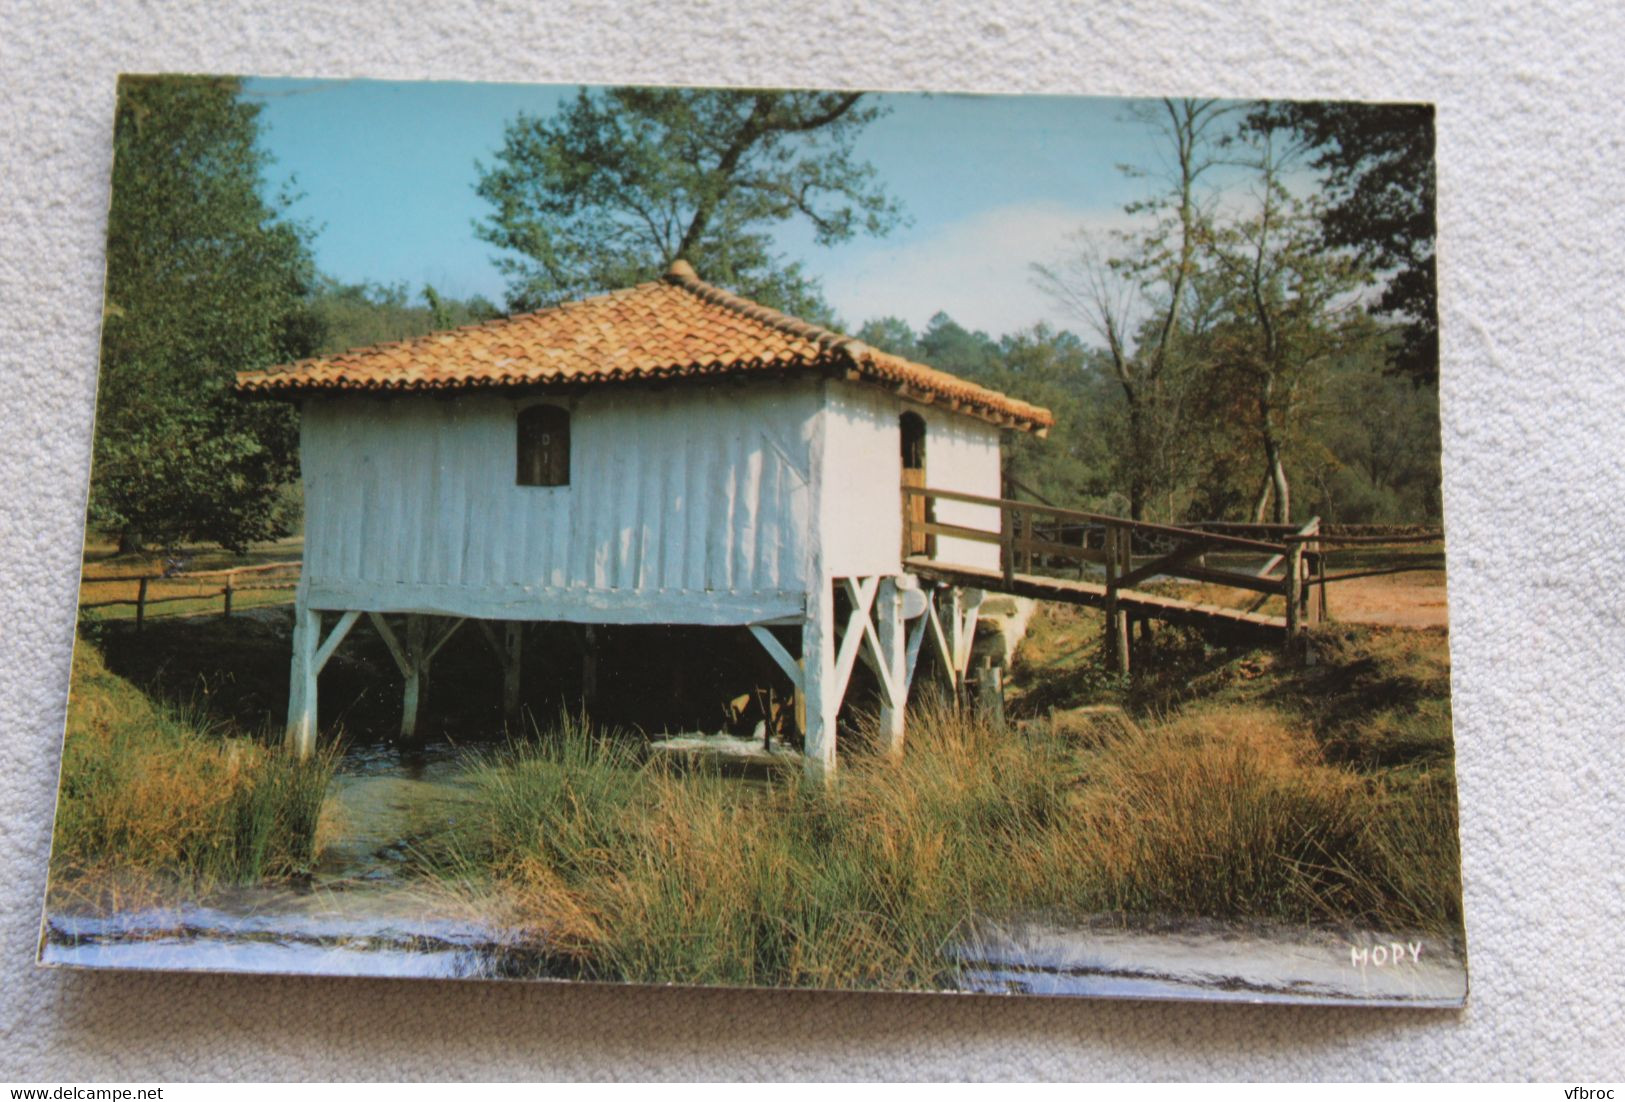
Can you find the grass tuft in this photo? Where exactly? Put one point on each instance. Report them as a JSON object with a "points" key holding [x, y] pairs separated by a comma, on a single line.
{"points": [[157, 791]]}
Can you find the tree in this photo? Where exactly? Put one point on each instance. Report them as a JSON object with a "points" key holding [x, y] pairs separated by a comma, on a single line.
{"points": [[1072, 463], [203, 279], [624, 181], [1288, 309], [1379, 166], [891, 334], [1141, 297], [1382, 433], [354, 315], [946, 344]]}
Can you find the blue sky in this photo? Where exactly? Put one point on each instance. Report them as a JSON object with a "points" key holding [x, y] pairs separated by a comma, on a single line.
{"points": [[386, 174]]}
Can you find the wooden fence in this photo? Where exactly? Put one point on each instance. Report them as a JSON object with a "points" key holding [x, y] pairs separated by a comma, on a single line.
{"points": [[263, 577], [1035, 538]]}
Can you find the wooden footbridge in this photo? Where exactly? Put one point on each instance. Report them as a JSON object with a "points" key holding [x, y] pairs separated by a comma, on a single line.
{"points": [[1108, 558]]}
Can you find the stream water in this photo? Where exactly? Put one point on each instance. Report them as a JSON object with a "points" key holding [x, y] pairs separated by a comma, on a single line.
{"points": [[363, 913]]}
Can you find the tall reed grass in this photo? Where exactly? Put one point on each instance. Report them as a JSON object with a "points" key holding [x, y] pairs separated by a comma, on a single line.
{"points": [[639, 871], [153, 790], [1234, 812], [635, 871]]}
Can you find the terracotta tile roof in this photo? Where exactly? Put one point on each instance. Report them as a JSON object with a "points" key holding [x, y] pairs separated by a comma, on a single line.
{"points": [[676, 326]]}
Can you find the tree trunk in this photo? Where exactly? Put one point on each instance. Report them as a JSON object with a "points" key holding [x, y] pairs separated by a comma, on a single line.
{"points": [[1274, 472], [1277, 475], [129, 542], [1137, 456], [1261, 503]]}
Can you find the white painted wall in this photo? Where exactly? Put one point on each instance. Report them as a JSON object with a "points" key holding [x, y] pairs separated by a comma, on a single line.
{"points": [[863, 513], [962, 454], [686, 505], [692, 504], [863, 474]]}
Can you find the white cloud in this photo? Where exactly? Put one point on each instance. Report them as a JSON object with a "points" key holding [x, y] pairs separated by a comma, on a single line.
{"points": [[977, 269]]}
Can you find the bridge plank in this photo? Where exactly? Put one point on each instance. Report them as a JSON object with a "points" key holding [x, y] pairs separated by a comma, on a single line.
{"points": [[1093, 595]]}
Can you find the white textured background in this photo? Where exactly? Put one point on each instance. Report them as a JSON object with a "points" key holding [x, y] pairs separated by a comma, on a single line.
{"points": [[1530, 173]]}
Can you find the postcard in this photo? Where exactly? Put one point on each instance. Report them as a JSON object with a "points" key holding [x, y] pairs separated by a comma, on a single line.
{"points": [[782, 538]]}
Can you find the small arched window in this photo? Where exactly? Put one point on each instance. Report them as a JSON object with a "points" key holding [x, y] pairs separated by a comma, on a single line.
{"points": [[544, 446]]}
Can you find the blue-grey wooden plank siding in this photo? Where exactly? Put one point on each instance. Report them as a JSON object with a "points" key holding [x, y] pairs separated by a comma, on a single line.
{"points": [[692, 496]]}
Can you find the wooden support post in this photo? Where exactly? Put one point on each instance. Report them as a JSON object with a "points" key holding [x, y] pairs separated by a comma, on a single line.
{"points": [[300, 737], [781, 658], [859, 629], [140, 604], [412, 698], [893, 644], [1007, 543], [954, 613], [310, 654], [908, 521], [1294, 598], [227, 595], [1125, 560], [334, 638], [923, 626], [931, 624], [990, 694], [970, 614], [1320, 562], [387, 634], [513, 638], [1116, 621], [1308, 594], [816, 703]]}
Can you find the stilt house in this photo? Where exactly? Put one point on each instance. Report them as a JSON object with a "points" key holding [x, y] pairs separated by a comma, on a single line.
{"points": [[665, 454]]}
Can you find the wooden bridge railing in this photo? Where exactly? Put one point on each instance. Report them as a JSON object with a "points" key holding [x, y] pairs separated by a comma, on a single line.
{"points": [[1032, 537], [229, 589]]}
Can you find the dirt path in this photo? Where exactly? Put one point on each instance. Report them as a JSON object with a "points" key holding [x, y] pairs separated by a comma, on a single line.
{"points": [[1414, 600]]}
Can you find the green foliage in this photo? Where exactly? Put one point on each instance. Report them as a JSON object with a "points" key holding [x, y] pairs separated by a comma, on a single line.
{"points": [[1379, 166], [1364, 445], [1078, 464], [1143, 293], [1377, 459], [892, 334], [1230, 319], [355, 315], [946, 343], [623, 181], [1074, 464], [1285, 310], [203, 279]]}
